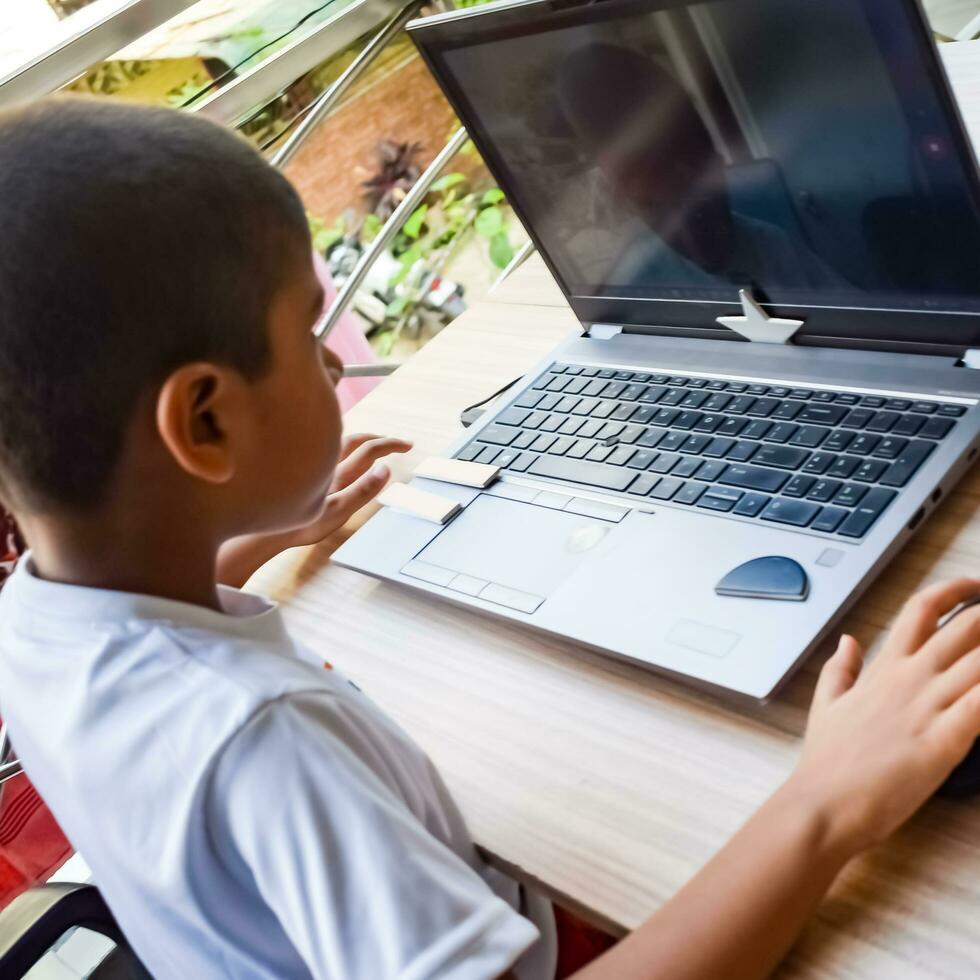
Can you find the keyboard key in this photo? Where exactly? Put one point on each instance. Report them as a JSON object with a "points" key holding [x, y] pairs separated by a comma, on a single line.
{"points": [[558, 383], [696, 444], [873, 401], [543, 442], [732, 427], [742, 451], [650, 438], [666, 488], [548, 402], [908, 425], [751, 503], [740, 405], [801, 393], [870, 471], [717, 385], [785, 457], [585, 406], [673, 441], [822, 415], [580, 450], [487, 454], [631, 433], [579, 471], [736, 386], [847, 398], [952, 411], [849, 495], [470, 452], [620, 413], [709, 423], [552, 423], [857, 418], [632, 392], [624, 375], [687, 420], [644, 483], [570, 426], [756, 429], [824, 396], [810, 436], [782, 432], [883, 421], [687, 467], [909, 460], [607, 373], [824, 490], [604, 409], [718, 447], [898, 404], [710, 470], [513, 416], [643, 414], [499, 435], [641, 459], [874, 502], [522, 462], [753, 478], [672, 398], [838, 440], [758, 389], [665, 416], [779, 392], [575, 386], [598, 454], [613, 389], [890, 447], [505, 458], [716, 403], [829, 519], [678, 381], [715, 503], [924, 408], [591, 429], [689, 493], [568, 368], [594, 387], [799, 486], [783, 510], [610, 430], [529, 399], [652, 394], [819, 463], [665, 462], [936, 428], [694, 399], [864, 444], [697, 382], [561, 446], [844, 466], [787, 411], [763, 407]]}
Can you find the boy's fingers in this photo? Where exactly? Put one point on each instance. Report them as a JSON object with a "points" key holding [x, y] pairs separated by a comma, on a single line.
{"points": [[345, 503], [918, 618], [955, 639], [353, 441], [952, 684], [959, 725], [840, 672], [364, 457]]}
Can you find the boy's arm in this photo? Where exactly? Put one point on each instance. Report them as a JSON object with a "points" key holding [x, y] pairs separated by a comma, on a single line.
{"points": [[877, 746], [359, 478]]}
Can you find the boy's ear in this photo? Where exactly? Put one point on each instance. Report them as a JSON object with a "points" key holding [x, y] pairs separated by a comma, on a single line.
{"points": [[195, 416]]}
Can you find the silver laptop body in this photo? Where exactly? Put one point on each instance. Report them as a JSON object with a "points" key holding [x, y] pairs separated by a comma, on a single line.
{"points": [[669, 493]]}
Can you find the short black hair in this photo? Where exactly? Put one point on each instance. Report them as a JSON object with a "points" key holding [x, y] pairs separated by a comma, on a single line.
{"points": [[132, 240]]}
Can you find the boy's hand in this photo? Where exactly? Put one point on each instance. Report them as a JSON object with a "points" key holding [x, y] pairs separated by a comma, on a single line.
{"points": [[881, 742], [359, 478]]}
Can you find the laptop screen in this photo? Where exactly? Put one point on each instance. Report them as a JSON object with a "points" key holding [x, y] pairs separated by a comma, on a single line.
{"points": [[805, 149]]}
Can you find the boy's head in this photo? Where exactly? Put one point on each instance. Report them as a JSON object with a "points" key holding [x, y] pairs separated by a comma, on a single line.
{"points": [[156, 302]]}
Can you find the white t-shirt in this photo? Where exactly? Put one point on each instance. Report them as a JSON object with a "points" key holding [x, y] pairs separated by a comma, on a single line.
{"points": [[246, 812]]}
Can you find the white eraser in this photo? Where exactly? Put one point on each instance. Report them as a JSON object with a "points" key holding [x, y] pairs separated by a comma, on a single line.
{"points": [[419, 503], [459, 471]]}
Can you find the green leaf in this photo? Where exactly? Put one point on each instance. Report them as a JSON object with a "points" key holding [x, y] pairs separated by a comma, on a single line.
{"points": [[413, 227], [500, 250], [493, 196], [396, 307], [447, 181], [407, 259], [489, 222], [370, 227], [384, 343]]}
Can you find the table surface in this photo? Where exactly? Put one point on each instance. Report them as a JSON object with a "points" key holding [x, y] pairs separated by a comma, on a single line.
{"points": [[605, 784]]}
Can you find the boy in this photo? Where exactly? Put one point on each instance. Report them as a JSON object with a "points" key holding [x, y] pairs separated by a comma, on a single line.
{"points": [[245, 812]]}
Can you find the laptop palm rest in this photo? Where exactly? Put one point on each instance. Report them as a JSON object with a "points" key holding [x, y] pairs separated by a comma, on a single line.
{"points": [[515, 545]]}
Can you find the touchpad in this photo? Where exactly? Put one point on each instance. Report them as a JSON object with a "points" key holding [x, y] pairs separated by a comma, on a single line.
{"points": [[515, 544]]}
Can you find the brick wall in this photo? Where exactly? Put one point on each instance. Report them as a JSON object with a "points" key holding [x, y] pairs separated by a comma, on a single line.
{"points": [[404, 104]]}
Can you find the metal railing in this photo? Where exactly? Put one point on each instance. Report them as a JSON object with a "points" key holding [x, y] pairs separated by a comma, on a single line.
{"points": [[92, 40]]}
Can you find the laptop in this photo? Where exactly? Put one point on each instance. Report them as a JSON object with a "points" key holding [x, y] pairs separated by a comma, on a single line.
{"points": [[765, 215]]}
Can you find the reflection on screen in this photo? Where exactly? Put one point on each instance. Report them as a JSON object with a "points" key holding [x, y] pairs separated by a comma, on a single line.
{"points": [[796, 147]]}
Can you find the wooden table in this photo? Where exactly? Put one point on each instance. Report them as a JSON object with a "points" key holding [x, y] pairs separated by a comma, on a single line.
{"points": [[608, 785]]}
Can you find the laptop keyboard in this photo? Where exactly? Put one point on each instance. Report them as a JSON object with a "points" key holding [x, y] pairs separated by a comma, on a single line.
{"points": [[829, 461]]}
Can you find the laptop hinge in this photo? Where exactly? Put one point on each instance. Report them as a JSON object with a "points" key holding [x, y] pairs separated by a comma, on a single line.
{"points": [[605, 331], [756, 325], [971, 358]]}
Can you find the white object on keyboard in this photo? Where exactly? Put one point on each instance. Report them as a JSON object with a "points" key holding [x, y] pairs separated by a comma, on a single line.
{"points": [[460, 471], [419, 503]]}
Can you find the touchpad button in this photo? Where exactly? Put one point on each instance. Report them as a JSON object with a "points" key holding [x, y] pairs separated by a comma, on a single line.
{"points": [[516, 545]]}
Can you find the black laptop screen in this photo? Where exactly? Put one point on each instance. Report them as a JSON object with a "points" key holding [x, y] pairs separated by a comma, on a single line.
{"points": [[803, 148]]}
